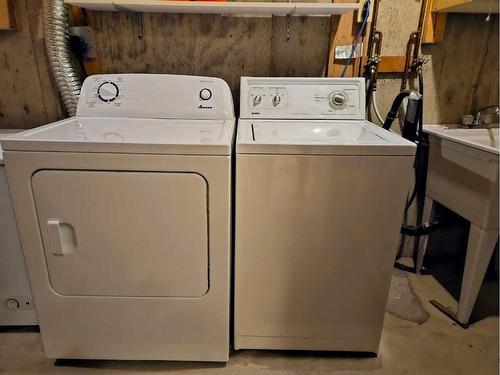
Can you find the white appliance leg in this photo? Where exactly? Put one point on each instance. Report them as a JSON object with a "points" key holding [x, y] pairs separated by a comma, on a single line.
{"points": [[428, 215], [479, 251]]}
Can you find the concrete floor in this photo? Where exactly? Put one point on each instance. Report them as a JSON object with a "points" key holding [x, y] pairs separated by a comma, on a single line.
{"points": [[417, 339]]}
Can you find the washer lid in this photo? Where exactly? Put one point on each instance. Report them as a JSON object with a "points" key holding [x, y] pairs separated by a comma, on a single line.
{"points": [[128, 135], [319, 137]]}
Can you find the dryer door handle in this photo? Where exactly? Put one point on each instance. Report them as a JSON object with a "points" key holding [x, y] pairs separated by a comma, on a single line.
{"points": [[55, 238]]}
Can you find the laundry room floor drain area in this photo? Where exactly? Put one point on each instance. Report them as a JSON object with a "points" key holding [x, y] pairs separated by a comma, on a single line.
{"points": [[403, 301]]}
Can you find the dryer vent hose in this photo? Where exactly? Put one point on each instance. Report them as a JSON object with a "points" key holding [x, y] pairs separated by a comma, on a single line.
{"points": [[56, 32]]}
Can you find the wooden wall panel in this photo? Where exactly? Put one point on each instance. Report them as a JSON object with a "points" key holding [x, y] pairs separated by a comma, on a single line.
{"points": [[306, 52], [487, 82], [184, 44], [344, 31], [28, 97], [227, 47]]}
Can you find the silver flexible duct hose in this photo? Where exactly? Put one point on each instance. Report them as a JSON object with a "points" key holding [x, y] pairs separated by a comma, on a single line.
{"points": [[56, 32]]}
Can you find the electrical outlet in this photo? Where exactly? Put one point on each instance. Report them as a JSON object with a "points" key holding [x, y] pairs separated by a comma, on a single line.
{"points": [[343, 52]]}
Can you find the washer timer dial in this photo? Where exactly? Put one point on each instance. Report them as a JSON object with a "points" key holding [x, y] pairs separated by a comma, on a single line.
{"points": [[338, 100], [108, 91]]}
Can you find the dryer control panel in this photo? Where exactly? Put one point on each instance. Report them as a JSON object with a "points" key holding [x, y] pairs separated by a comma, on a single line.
{"points": [[155, 96], [302, 98]]}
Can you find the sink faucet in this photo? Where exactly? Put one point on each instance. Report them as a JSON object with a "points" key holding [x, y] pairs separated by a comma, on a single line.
{"points": [[478, 118]]}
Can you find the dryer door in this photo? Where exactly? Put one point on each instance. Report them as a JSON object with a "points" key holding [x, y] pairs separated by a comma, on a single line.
{"points": [[109, 233]]}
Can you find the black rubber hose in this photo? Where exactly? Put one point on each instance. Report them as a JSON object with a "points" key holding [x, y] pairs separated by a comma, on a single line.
{"points": [[369, 90], [420, 162], [391, 116], [421, 83]]}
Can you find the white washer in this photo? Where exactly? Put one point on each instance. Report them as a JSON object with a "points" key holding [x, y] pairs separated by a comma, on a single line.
{"points": [[319, 203], [124, 214], [16, 303]]}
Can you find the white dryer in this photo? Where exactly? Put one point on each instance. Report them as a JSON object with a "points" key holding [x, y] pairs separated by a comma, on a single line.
{"points": [[124, 214], [319, 202], [16, 303]]}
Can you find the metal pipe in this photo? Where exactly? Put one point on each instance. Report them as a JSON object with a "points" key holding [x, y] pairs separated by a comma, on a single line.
{"points": [[414, 42], [56, 33], [420, 28], [373, 29]]}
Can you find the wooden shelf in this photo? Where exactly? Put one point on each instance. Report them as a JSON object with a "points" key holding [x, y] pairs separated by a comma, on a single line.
{"points": [[465, 6], [435, 18], [215, 7]]}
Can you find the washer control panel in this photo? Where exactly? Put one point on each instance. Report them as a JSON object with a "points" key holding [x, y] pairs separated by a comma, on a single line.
{"points": [[155, 96], [274, 97], [331, 98]]}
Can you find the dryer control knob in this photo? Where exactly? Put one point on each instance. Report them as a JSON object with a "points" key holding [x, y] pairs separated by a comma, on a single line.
{"points": [[205, 94], [338, 100], [107, 91]]}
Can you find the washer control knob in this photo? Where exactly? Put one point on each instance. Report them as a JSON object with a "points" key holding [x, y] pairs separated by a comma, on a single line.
{"points": [[205, 94], [276, 100], [108, 91], [12, 304], [338, 100], [257, 99]]}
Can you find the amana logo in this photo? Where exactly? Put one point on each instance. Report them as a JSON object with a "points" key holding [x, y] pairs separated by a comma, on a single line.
{"points": [[204, 107]]}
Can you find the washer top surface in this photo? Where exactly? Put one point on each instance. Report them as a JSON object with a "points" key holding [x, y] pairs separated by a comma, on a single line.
{"points": [[337, 137], [128, 135], [324, 116], [316, 132], [3, 134]]}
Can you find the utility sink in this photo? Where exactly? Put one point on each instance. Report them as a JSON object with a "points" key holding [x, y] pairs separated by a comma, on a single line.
{"points": [[462, 174], [483, 139]]}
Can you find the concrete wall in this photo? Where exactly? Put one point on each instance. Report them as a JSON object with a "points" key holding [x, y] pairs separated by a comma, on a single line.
{"points": [[461, 75]]}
